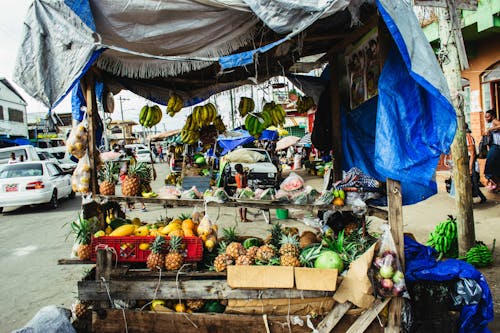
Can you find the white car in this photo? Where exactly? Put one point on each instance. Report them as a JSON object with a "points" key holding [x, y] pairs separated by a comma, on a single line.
{"points": [[32, 183], [143, 155]]}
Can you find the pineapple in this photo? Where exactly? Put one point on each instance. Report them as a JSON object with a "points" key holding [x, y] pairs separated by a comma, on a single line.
{"points": [[194, 304], [83, 231], [132, 182], [289, 246], [265, 253], [275, 237], [108, 176], [229, 234], [235, 250], [222, 260], [174, 259], [288, 260], [244, 259], [156, 258], [252, 252], [80, 308]]}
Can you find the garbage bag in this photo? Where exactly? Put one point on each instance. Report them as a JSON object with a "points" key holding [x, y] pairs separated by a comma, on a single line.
{"points": [[466, 292], [49, 319], [421, 264]]}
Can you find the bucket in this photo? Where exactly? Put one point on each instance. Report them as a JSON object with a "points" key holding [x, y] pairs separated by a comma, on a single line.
{"points": [[281, 214]]}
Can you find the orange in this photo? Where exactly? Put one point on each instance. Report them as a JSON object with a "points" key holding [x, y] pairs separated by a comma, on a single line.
{"points": [[338, 202], [177, 232], [188, 224]]}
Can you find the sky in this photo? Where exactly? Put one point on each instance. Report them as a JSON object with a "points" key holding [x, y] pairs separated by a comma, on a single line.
{"points": [[11, 30]]}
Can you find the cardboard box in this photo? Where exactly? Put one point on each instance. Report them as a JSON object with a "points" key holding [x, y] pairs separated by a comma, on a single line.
{"points": [[281, 306], [315, 279], [260, 277]]}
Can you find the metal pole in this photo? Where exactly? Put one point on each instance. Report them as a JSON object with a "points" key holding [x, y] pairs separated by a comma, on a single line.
{"points": [[232, 108], [123, 121]]}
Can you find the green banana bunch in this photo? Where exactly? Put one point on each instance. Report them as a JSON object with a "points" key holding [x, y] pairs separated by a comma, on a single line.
{"points": [[174, 105], [479, 255], [444, 238], [150, 116]]}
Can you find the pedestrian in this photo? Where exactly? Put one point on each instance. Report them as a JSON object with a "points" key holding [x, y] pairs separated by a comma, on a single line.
{"points": [[241, 179], [160, 153], [492, 166], [473, 165], [12, 158]]}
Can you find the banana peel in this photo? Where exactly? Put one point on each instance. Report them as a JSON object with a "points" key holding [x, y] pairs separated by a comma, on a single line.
{"points": [[149, 194]]}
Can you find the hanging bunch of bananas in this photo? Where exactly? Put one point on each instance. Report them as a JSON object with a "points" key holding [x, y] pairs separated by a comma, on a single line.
{"points": [[444, 238], [150, 116], [190, 132], [219, 124], [246, 106], [304, 104], [204, 115], [276, 112], [174, 105], [479, 255]]}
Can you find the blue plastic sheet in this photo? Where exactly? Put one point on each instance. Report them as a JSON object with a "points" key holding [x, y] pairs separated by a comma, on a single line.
{"points": [[229, 143], [421, 264], [358, 144]]}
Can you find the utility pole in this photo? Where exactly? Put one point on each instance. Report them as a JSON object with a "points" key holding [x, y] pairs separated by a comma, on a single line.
{"points": [[232, 107], [123, 121], [452, 60]]}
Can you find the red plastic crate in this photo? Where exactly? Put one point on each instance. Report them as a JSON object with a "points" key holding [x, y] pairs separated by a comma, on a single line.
{"points": [[127, 247]]}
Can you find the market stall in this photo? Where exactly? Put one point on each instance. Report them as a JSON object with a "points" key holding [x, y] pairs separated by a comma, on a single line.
{"points": [[100, 50]]}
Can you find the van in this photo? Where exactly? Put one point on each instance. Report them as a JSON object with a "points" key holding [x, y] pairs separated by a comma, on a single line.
{"points": [[28, 152]]}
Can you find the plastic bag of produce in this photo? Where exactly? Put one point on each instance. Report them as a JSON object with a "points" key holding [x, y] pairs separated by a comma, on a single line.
{"points": [[282, 196], [80, 180], [169, 192], [300, 198], [312, 194], [292, 183], [192, 193], [267, 194], [246, 193], [387, 273], [324, 199], [244, 156], [217, 195], [77, 141]]}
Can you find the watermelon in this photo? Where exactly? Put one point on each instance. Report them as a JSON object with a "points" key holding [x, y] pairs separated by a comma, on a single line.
{"points": [[200, 160]]}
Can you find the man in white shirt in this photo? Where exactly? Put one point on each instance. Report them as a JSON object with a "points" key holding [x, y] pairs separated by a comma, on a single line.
{"points": [[12, 159]]}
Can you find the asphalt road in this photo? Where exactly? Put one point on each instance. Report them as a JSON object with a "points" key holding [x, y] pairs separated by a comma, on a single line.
{"points": [[31, 241]]}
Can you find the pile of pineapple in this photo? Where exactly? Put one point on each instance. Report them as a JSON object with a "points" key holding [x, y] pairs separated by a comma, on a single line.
{"points": [[282, 247]]}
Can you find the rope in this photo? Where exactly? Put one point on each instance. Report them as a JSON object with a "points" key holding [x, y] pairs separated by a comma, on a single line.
{"points": [[112, 303], [156, 291]]}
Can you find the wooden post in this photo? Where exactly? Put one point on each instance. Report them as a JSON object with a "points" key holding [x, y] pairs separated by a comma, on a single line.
{"points": [[395, 207], [88, 87], [103, 266], [336, 126], [461, 174]]}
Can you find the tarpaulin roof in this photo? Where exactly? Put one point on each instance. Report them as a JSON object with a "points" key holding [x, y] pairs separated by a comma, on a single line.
{"points": [[197, 48]]}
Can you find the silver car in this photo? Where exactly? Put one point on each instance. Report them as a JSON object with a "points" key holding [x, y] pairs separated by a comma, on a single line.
{"points": [[32, 183]]}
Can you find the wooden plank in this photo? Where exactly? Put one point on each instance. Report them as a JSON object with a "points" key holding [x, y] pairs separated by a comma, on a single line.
{"points": [[148, 321], [189, 289], [90, 98], [75, 261], [333, 317], [395, 204], [362, 323]]}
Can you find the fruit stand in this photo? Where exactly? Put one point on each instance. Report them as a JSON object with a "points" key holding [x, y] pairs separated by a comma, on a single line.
{"points": [[137, 299]]}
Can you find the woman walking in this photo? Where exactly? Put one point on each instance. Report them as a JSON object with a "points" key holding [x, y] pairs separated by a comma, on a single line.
{"points": [[492, 167]]}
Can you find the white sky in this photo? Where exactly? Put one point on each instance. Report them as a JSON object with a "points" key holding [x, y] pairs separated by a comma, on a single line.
{"points": [[11, 29]]}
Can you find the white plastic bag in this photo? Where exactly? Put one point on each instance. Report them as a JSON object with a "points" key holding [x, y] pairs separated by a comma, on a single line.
{"points": [[292, 183], [80, 181], [77, 142]]}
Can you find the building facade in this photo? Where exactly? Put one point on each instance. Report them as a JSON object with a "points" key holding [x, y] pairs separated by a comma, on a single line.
{"points": [[13, 117]]}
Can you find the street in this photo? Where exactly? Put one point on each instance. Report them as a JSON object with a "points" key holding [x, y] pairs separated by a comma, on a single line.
{"points": [[33, 239]]}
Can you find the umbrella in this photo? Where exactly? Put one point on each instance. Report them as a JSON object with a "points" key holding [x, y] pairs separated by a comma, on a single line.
{"points": [[286, 142], [306, 140]]}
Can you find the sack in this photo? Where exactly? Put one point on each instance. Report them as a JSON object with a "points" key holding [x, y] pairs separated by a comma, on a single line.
{"points": [[486, 141]]}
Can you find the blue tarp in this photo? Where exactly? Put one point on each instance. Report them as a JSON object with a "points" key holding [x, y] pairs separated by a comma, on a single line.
{"points": [[229, 143], [421, 265]]}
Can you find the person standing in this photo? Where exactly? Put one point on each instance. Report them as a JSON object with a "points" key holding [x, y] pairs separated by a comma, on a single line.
{"points": [[160, 153], [473, 165], [241, 183], [492, 166]]}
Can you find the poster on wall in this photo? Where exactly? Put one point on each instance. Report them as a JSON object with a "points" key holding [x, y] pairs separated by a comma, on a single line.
{"points": [[363, 69]]}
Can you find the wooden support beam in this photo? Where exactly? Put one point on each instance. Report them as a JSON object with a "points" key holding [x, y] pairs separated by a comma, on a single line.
{"points": [[88, 87], [333, 317], [366, 318], [395, 205], [336, 125]]}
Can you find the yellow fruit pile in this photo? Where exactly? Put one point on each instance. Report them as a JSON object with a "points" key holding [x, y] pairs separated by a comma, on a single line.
{"points": [[80, 180], [150, 116], [246, 106]]}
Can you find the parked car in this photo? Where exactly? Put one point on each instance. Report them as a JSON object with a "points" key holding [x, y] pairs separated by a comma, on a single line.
{"points": [[143, 155], [32, 183], [261, 174], [28, 152], [59, 155]]}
